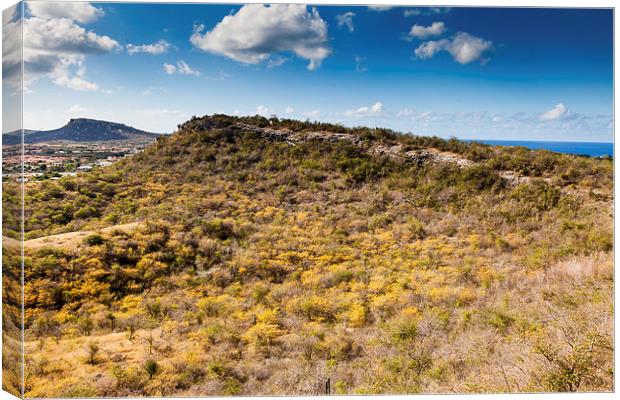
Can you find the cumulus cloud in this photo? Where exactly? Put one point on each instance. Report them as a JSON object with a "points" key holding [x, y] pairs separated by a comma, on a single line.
{"points": [[72, 74], [54, 45], [346, 19], [428, 49], [77, 11], [559, 111], [181, 68], [62, 37], [11, 46], [466, 48], [159, 47], [313, 113], [463, 47], [366, 111], [256, 32], [422, 32], [289, 110]]}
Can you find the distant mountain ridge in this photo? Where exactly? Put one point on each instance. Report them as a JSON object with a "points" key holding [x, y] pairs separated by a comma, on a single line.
{"points": [[82, 130]]}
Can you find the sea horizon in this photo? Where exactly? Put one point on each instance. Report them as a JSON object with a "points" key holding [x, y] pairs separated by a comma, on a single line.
{"points": [[592, 149]]}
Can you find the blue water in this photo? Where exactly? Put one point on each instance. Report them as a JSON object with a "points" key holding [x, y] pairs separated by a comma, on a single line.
{"points": [[593, 149]]}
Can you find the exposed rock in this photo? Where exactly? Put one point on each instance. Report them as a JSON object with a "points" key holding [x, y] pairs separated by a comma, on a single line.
{"points": [[395, 152]]}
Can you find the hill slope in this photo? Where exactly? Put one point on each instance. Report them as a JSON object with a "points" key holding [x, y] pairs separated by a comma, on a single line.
{"points": [[272, 256], [82, 130], [14, 137]]}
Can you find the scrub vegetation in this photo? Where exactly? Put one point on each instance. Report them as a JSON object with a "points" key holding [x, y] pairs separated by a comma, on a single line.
{"points": [[254, 265]]}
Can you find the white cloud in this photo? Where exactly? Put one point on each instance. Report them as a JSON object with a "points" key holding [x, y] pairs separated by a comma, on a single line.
{"points": [[63, 76], [346, 19], [52, 47], [276, 62], [463, 47], [439, 10], [59, 37], [422, 117], [185, 69], [313, 113], [422, 32], [366, 111], [466, 48], [428, 49], [76, 109], [380, 7], [181, 68], [262, 110], [159, 47], [426, 11], [412, 11], [290, 110], [376, 108], [556, 121], [359, 64], [556, 112], [255, 32], [169, 68], [77, 11]]}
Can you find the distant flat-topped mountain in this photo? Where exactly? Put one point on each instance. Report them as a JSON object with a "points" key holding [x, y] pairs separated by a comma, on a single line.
{"points": [[82, 130]]}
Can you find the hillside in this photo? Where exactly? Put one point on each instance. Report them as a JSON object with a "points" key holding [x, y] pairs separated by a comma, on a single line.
{"points": [[286, 257], [14, 137], [82, 130]]}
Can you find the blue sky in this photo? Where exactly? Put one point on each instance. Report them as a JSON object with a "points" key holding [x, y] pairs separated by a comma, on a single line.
{"points": [[489, 73]]}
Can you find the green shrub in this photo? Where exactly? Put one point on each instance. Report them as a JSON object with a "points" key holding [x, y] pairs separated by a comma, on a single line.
{"points": [[94, 240], [151, 367]]}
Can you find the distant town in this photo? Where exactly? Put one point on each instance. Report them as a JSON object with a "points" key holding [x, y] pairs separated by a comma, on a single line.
{"points": [[79, 146], [44, 161]]}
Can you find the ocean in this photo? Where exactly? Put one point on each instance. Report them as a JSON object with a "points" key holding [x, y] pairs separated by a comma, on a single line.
{"points": [[593, 149]]}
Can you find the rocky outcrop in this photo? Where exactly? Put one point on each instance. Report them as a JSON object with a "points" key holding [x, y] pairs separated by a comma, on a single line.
{"points": [[293, 137], [396, 152]]}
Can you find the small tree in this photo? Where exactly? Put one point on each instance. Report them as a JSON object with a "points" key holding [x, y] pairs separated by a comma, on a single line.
{"points": [[150, 341], [86, 325], [112, 318], [151, 367], [132, 323], [93, 349]]}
